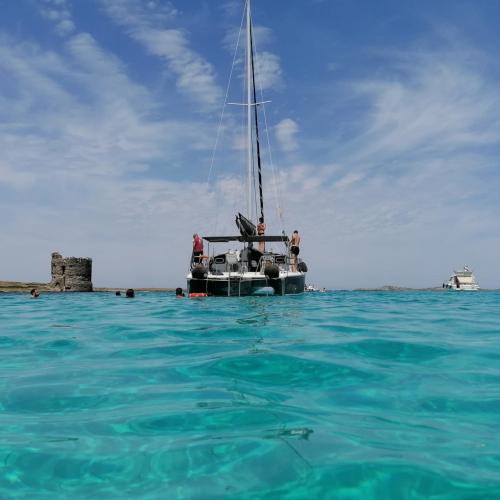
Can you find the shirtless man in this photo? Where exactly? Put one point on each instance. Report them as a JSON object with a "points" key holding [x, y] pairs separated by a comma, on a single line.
{"points": [[261, 231], [295, 249]]}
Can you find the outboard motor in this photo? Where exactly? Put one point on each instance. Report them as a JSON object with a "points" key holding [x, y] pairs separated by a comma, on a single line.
{"points": [[199, 272], [272, 271], [302, 267]]}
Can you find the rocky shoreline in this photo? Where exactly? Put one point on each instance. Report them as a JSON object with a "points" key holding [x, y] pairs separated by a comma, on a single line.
{"points": [[118, 289], [393, 288], [21, 287], [18, 286]]}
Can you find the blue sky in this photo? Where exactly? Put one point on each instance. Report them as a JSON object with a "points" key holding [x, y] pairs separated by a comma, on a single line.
{"points": [[384, 129]]}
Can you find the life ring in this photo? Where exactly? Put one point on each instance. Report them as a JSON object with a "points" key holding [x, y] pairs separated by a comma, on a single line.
{"points": [[197, 294]]}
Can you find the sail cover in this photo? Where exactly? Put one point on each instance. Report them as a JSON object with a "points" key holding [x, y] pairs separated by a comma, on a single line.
{"points": [[246, 227]]}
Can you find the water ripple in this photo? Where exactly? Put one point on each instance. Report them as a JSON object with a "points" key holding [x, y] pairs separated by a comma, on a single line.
{"points": [[338, 395]]}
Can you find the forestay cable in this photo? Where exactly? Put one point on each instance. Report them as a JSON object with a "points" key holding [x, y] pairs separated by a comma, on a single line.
{"points": [[219, 127]]}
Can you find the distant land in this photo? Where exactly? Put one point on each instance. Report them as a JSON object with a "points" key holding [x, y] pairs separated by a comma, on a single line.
{"points": [[394, 288], [115, 289], [18, 286]]}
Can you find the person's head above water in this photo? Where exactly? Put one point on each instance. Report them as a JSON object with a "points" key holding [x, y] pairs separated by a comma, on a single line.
{"points": [[118, 293], [179, 292], [35, 293], [130, 293]]}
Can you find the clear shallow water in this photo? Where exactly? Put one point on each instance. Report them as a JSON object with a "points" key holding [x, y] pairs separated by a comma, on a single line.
{"points": [[340, 395]]}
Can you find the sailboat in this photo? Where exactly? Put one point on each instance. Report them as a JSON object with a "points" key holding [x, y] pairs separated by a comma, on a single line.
{"points": [[250, 270]]}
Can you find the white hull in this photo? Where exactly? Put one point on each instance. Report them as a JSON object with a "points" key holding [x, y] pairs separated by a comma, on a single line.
{"points": [[236, 284], [463, 288]]}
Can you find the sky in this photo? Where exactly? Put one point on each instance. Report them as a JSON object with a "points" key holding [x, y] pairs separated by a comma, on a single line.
{"points": [[381, 143]]}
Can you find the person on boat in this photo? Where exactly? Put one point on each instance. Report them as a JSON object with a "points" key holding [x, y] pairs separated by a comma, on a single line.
{"points": [[35, 293], [261, 231], [179, 293], [295, 249], [197, 248]]}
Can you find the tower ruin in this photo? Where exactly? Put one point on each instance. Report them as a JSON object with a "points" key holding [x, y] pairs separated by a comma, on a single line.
{"points": [[71, 274]]}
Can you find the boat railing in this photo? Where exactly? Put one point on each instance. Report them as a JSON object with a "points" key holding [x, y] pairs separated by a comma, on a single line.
{"points": [[283, 261]]}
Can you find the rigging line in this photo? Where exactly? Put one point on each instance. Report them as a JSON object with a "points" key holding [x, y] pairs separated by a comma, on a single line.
{"points": [[253, 202], [277, 193], [276, 173], [219, 127], [259, 165], [243, 151], [225, 100]]}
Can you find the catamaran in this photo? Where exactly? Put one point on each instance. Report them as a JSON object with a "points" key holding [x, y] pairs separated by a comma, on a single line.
{"points": [[249, 270]]}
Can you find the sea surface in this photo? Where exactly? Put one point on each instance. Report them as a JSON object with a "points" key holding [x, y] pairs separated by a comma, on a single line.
{"points": [[341, 395]]}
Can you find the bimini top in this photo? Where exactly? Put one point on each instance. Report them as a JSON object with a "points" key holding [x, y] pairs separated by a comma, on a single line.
{"points": [[245, 239]]}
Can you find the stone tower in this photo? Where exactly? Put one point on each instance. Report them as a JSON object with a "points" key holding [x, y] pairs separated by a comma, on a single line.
{"points": [[72, 274]]}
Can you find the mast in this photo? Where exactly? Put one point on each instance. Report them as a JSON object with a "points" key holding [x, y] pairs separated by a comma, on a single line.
{"points": [[249, 113], [259, 164]]}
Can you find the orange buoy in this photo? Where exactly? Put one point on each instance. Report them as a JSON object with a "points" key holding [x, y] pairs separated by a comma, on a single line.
{"points": [[200, 294]]}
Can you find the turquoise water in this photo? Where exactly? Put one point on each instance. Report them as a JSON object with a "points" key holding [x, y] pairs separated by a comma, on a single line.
{"points": [[339, 395]]}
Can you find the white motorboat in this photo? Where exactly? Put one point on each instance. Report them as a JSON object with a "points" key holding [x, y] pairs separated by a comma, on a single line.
{"points": [[463, 280]]}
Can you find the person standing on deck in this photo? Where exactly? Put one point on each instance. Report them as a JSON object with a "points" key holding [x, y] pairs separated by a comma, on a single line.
{"points": [[261, 231], [295, 249], [197, 249]]}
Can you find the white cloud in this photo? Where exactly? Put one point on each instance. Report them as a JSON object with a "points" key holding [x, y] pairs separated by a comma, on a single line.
{"points": [[262, 36], [440, 102], [11, 178], [65, 27], [268, 71], [59, 13], [195, 76], [348, 179], [74, 136], [286, 134], [231, 7]]}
